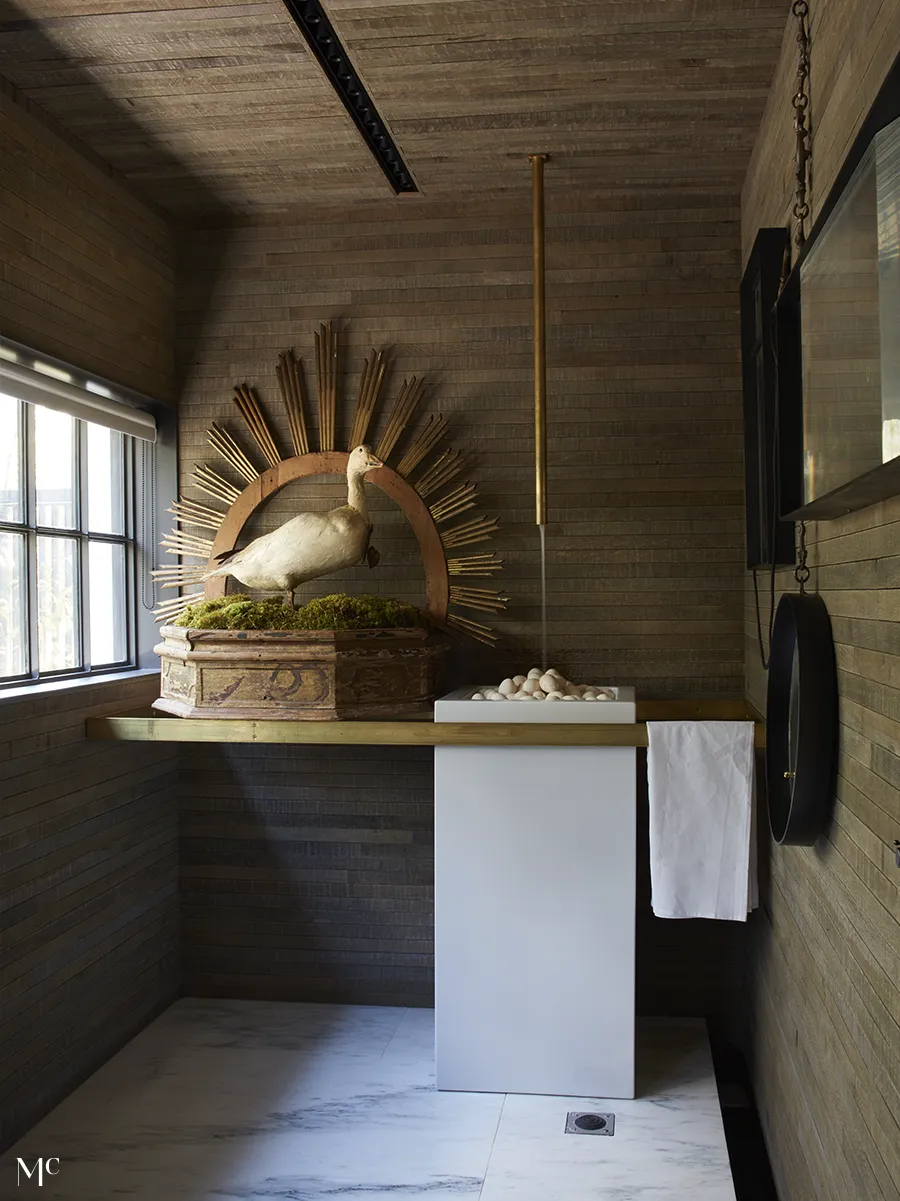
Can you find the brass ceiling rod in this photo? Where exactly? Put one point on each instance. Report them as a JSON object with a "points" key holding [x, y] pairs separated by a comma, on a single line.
{"points": [[540, 338]]}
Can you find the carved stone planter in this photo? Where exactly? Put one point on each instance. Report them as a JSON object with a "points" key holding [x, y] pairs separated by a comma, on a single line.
{"points": [[299, 675]]}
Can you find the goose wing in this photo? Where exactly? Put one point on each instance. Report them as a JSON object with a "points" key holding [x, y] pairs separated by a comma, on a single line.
{"points": [[309, 545]]}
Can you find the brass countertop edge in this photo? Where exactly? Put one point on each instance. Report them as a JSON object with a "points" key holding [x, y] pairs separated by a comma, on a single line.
{"points": [[143, 727]]}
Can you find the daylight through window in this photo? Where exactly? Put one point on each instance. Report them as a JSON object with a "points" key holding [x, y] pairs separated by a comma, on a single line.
{"points": [[66, 544]]}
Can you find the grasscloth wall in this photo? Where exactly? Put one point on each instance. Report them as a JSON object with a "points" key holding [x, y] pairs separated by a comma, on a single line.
{"points": [[87, 270], [88, 832], [309, 873], [645, 444], [89, 852], [827, 999]]}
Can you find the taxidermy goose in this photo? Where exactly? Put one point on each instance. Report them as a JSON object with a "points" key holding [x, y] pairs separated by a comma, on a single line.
{"points": [[311, 544]]}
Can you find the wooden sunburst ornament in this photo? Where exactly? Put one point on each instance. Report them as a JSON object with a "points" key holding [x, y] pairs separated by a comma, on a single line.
{"points": [[425, 484]]}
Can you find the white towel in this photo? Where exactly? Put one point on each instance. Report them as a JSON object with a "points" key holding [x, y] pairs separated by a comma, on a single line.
{"points": [[702, 848]]}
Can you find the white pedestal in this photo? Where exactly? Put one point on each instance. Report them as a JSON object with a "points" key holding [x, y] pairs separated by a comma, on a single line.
{"points": [[534, 916]]}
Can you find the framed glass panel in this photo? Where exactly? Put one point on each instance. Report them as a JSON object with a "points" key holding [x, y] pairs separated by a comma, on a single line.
{"points": [[107, 593], [67, 562], [57, 604], [54, 469], [105, 478], [838, 317], [11, 508], [13, 608]]}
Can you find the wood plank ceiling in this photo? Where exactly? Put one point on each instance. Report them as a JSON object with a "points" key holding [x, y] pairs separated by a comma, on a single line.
{"points": [[205, 105]]}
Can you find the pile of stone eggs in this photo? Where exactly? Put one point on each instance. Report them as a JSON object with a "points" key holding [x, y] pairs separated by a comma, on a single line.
{"points": [[549, 685]]}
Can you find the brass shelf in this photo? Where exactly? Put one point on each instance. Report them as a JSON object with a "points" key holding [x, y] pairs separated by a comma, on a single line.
{"points": [[146, 727]]}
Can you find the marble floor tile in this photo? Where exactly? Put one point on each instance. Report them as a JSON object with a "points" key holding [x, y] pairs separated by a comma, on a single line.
{"points": [[241, 1101]]}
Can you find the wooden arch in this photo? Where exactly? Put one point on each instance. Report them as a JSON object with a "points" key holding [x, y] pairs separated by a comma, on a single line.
{"points": [[334, 462]]}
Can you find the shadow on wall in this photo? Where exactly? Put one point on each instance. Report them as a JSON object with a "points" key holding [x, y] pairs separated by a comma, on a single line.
{"points": [[113, 136], [307, 873]]}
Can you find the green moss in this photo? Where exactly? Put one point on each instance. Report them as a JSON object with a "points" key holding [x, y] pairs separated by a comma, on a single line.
{"points": [[343, 612], [336, 612]]}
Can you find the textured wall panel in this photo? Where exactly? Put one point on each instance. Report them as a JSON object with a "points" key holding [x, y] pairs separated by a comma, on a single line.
{"points": [[827, 1037], [87, 270], [89, 852]]}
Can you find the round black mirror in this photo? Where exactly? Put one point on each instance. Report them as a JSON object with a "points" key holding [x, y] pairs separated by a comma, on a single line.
{"points": [[801, 720]]}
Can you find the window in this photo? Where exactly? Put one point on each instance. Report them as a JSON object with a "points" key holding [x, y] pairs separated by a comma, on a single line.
{"points": [[67, 544]]}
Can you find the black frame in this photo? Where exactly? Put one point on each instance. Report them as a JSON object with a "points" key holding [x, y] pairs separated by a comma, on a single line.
{"points": [[801, 721], [83, 536], [313, 22], [769, 539], [882, 481]]}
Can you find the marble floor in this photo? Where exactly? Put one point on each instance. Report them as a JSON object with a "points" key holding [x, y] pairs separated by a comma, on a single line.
{"points": [[246, 1100]]}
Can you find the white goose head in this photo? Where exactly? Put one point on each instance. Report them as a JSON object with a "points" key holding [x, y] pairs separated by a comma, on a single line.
{"points": [[361, 460]]}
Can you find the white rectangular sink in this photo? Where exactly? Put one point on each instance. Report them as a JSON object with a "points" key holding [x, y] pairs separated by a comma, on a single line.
{"points": [[458, 706]]}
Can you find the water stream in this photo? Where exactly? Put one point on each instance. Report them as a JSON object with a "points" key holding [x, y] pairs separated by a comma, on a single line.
{"points": [[542, 529]]}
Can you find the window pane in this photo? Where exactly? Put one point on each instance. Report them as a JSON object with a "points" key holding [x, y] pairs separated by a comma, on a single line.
{"points": [[57, 608], [10, 459], [13, 639], [105, 480], [109, 641], [54, 467]]}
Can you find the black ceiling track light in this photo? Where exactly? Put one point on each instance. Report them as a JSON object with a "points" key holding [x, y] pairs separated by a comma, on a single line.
{"points": [[312, 21]]}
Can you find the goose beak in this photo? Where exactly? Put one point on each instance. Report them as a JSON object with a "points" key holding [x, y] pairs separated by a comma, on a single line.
{"points": [[371, 461]]}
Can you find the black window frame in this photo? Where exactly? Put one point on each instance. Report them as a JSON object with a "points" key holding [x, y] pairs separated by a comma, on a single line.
{"points": [[30, 530]]}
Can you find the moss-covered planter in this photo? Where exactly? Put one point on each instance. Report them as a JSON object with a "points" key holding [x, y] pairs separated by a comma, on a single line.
{"points": [[307, 675]]}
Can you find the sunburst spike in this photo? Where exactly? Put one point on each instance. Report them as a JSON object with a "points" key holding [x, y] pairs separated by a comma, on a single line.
{"points": [[484, 600], [177, 542], [190, 512], [176, 577], [475, 629], [223, 442], [448, 465], [290, 381], [213, 484], [478, 530], [464, 496], [423, 444], [168, 610], [369, 390], [255, 421], [326, 382], [404, 406], [190, 539], [479, 565]]}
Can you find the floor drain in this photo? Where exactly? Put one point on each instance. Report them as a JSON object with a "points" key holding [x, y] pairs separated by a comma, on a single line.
{"points": [[578, 1122]]}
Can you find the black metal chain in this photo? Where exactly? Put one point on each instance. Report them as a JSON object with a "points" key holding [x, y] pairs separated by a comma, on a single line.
{"points": [[803, 153], [801, 571], [800, 102]]}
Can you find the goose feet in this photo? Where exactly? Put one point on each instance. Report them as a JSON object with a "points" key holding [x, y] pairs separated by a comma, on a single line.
{"points": [[289, 599]]}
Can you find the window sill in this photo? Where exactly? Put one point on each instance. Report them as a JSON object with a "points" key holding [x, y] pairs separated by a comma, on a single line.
{"points": [[75, 684]]}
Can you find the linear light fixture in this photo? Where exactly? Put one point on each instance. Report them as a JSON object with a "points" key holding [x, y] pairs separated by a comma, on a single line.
{"points": [[312, 21]]}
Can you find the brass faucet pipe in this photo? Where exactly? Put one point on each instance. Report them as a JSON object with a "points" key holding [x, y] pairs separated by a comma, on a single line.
{"points": [[540, 338]]}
